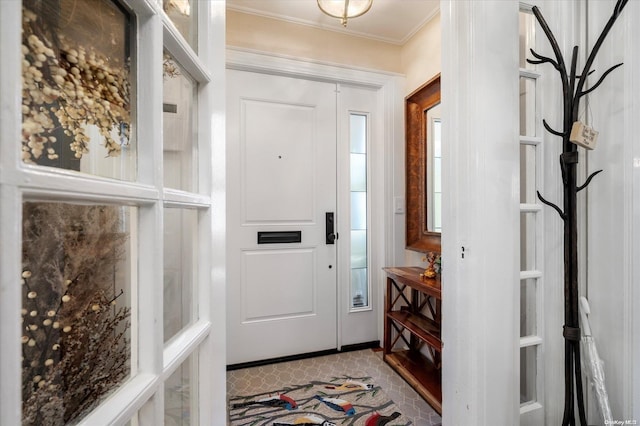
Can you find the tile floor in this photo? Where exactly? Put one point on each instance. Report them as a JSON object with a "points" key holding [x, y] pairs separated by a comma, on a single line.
{"points": [[251, 380]]}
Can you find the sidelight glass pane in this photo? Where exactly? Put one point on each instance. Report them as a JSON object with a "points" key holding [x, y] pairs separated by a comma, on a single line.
{"points": [[528, 241], [528, 177], [180, 239], [359, 172], [179, 106], [359, 249], [527, 106], [528, 302], [183, 14], [358, 205], [77, 92], [359, 210], [359, 288], [180, 395], [358, 133], [528, 371], [76, 316]]}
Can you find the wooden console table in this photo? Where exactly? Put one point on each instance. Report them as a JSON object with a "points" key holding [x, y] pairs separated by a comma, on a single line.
{"points": [[414, 320]]}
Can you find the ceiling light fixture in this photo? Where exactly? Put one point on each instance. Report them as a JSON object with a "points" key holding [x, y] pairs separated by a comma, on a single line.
{"points": [[345, 9]]}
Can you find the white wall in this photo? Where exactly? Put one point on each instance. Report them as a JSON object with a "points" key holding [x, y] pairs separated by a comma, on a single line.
{"points": [[258, 33], [421, 55], [421, 61]]}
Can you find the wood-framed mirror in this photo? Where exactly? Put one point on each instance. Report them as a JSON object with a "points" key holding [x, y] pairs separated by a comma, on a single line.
{"points": [[422, 163]]}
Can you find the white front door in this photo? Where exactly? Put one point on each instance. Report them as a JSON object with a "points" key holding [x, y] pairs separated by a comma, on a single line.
{"points": [[281, 175]]}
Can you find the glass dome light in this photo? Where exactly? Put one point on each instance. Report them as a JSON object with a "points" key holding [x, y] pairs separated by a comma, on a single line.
{"points": [[344, 9]]}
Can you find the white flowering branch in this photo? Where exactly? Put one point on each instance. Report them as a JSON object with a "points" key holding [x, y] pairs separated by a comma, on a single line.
{"points": [[68, 87]]}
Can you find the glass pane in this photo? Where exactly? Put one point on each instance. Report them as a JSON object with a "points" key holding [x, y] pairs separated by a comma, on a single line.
{"points": [[359, 277], [528, 371], [359, 288], [528, 174], [180, 395], [134, 421], [76, 298], [77, 94], [527, 38], [179, 103], [358, 172], [183, 15], [180, 238], [358, 133], [358, 249], [527, 106], [527, 241], [358, 210], [528, 301]]}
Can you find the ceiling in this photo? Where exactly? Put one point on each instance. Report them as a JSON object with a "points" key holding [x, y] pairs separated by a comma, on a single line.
{"points": [[393, 21]]}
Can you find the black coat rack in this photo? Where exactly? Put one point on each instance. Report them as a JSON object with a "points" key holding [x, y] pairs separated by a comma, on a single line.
{"points": [[573, 89]]}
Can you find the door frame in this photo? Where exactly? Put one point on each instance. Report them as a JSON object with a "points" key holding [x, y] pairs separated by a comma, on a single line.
{"points": [[389, 88]]}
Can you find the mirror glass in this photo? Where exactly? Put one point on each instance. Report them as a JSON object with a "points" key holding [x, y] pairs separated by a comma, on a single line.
{"points": [[433, 184]]}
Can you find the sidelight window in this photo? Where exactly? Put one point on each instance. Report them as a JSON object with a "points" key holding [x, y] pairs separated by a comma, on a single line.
{"points": [[359, 219]]}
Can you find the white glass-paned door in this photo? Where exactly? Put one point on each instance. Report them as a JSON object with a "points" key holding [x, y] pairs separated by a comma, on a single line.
{"points": [[531, 231], [95, 214]]}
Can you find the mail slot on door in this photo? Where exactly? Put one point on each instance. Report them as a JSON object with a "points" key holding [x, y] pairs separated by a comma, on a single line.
{"points": [[279, 237]]}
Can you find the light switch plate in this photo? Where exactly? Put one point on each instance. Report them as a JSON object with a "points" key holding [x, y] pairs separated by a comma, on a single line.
{"points": [[398, 205]]}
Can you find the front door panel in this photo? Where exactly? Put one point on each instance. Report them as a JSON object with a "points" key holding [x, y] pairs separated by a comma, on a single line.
{"points": [[281, 159]]}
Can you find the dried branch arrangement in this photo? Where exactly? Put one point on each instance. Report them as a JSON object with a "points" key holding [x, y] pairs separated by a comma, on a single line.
{"points": [[65, 88], [75, 346], [573, 90]]}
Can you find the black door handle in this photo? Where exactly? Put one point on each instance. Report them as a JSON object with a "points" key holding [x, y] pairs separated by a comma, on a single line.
{"points": [[330, 236]]}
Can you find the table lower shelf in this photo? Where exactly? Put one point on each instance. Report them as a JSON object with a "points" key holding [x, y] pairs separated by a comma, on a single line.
{"points": [[420, 373]]}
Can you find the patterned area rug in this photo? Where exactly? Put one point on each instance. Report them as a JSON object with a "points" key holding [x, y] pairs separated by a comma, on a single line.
{"points": [[347, 400]]}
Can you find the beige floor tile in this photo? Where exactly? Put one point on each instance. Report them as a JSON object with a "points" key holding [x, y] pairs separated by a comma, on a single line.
{"points": [[252, 380]]}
